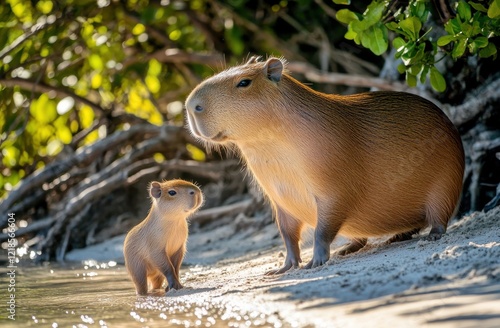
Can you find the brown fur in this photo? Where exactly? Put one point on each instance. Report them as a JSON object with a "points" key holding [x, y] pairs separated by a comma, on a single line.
{"points": [[155, 248], [362, 165]]}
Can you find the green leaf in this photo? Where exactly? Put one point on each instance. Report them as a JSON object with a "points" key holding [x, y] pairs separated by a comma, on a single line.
{"points": [[138, 29], [342, 2], [346, 16], [453, 27], [45, 6], [43, 109], [423, 74], [153, 83], [419, 54], [10, 156], [63, 133], [86, 116], [409, 52], [472, 47], [374, 11], [401, 68], [350, 34], [411, 79], [488, 51], [398, 43], [445, 39], [22, 10], [459, 48], [494, 9], [415, 69], [477, 24], [437, 80], [419, 9], [478, 7], [96, 62], [154, 67], [377, 40], [366, 37], [411, 26], [466, 29], [464, 11], [393, 26], [481, 41], [96, 81], [196, 153], [358, 26]]}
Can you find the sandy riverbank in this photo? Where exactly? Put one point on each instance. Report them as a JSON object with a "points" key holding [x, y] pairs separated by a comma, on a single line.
{"points": [[453, 282]]}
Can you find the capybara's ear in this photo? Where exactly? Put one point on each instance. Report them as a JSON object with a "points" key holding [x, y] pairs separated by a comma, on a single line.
{"points": [[274, 69], [155, 189]]}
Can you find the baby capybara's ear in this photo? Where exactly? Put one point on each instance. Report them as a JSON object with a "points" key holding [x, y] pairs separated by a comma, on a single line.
{"points": [[155, 189]]}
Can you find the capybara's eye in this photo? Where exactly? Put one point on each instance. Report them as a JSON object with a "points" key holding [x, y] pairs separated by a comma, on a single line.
{"points": [[172, 192], [244, 83]]}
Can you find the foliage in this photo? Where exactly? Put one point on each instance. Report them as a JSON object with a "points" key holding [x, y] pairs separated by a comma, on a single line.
{"points": [[73, 72], [468, 33], [89, 60]]}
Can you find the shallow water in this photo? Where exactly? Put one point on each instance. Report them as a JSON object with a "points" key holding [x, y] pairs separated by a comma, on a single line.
{"points": [[101, 295]]}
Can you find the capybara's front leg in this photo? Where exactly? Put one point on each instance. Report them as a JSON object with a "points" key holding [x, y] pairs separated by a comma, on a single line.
{"points": [[176, 259], [290, 229], [163, 263]]}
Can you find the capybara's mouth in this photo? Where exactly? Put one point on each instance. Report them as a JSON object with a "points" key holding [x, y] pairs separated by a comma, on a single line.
{"points": [[219, 137], [198, 201], [192, 126]]}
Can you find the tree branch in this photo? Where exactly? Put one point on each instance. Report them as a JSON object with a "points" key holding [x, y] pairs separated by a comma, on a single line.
{"points": [[84, 155], [216, 212], [41, 87], [475, 104], [315, 75], [34, 30], [177, 56]]}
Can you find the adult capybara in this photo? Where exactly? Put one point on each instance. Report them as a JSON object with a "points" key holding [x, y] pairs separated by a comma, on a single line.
{"points": [[361, 165]]}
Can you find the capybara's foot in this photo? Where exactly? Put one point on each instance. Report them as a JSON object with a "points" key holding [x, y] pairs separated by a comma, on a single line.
{"points": [[320, 256], [354, 246], [314, 263], [290, 263], [176, 285], [403, 236], [435, 233]]}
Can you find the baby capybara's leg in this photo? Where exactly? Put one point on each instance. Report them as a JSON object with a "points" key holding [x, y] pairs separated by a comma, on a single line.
{"points": [[138, 273]]}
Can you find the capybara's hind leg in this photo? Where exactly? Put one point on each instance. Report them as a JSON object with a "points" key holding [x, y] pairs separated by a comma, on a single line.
{"points": [[437, 217], [156, 280], [403, 236], [327, 227], [354, 246]]}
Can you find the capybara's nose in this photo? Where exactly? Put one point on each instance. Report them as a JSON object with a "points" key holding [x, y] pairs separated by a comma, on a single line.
{"points": [[193, 105]]}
